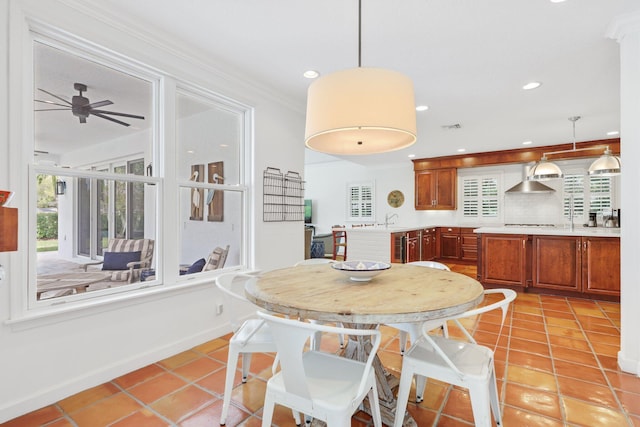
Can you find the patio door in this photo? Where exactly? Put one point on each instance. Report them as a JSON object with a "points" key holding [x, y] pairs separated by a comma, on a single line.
{"points": [[109, 209]]}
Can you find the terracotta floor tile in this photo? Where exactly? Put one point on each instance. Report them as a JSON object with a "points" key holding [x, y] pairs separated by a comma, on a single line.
{"points": [[198, 368], [530, 360], [623, 381], [586, 414], [563, 323], [608, 362], [533, 400], [530, 346], [605, 349], [589, 392], [530, 335], [260, 362], [221, 354], [152, 390], [555, 306], [422, 416], [458, 405], [532, 378], [596, 337], [251, 422], [630, 402], [529, 310], [87, 397], [179, 359], [182, 403], [447, 421], [60, 423], [609, 329], [209, 416], [581, 372], [434, 395], [551, 314], [588, 322], [138, 376], [576, 356], [250, 396], [106, 411], [576, 344], [211, 346], [527, 317], [215, 381], [561, 331], [537, 326], [521, 418], [143, 417], [392, 361], [35, 418]]}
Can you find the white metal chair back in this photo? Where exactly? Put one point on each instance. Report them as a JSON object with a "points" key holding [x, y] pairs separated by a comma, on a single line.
{"points": [[321, 385], [430, 264], [465, 364]]}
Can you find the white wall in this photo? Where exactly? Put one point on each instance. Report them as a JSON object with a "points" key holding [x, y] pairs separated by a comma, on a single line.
{"points": [[43, 360]]}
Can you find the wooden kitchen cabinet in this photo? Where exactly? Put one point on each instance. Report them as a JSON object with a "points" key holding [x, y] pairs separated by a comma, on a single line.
{"points": [[405, 246], [459, 243], [589, 265], [468, 244], [8, 229], [428, 242], [413, 246], [504, 260], [435, 189], [397, 247]]}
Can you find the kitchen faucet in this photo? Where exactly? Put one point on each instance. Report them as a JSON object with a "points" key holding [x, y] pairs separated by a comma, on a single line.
{"points": [[388, 218], [571, 212]]}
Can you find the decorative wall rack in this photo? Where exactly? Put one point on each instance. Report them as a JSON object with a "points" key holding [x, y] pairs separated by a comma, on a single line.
{"points": [[283, 196]]}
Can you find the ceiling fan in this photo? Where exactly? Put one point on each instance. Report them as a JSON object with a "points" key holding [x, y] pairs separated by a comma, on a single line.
{"points": [[82, 108]]}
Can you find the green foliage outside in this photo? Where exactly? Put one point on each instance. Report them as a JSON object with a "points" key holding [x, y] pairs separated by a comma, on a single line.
{"points": [[47, 225], [47, 245]]}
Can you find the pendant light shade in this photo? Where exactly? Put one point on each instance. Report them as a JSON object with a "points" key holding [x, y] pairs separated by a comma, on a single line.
{"points": [[605, 165], [360, 111], [545, 170]]}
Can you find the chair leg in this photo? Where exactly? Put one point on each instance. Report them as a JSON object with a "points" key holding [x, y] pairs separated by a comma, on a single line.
{"points": [[246, 364], [495, 399], [232, 363], [267, 411], [374, 404], [421, 384], [403, 342], [403, 394], [480, 404]]}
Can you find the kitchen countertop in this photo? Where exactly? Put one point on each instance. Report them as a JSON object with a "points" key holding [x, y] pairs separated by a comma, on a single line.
{"points": [[552, 231]]}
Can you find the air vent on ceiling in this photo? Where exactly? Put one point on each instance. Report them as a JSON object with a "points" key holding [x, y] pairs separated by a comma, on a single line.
{"points": [[453, 126]]}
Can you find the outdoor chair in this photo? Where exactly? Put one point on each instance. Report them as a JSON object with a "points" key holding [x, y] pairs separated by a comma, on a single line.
{"points": [[126, 258]]}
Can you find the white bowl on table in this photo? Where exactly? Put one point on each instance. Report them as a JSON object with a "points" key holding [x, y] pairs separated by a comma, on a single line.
{"points": [[361, 271]]}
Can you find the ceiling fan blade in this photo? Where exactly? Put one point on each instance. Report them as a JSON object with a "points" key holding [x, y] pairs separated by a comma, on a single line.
{"points": [[100, 104], [109, 118], [55, 96], [52, 103], [54, 109], [133, 116]]}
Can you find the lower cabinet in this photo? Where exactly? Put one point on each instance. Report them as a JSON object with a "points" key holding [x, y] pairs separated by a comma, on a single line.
{"points": [[579, 264], [428, 242], [504, 260], [457, 243], [413, 246]]}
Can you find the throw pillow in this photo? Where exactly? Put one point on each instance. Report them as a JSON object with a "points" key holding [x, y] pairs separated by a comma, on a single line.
{"points": [[197, 266], [119, 260]]}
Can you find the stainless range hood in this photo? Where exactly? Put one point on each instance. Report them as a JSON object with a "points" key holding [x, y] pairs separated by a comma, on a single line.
{"points": [[526, 186]]}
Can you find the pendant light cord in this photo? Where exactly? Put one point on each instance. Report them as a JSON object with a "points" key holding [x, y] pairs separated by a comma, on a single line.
{"points": [[359, 33]]}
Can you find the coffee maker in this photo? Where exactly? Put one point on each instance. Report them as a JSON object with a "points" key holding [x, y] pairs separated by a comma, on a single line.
{"points": [[592, 220]]}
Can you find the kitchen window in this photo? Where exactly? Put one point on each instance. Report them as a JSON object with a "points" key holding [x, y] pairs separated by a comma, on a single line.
{"points": [[588, 194], [480, 197], [361, 202]]}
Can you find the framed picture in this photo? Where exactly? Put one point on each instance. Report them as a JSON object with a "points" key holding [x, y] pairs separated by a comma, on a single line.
{"points": [[197, 194], [215, 198]]}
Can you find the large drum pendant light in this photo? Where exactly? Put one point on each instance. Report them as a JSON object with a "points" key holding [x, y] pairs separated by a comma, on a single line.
{"points": [[360, 110]]}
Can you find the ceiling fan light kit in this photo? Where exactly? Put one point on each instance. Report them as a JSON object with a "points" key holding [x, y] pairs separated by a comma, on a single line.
{"points": [[81, 107], [360, 110]]}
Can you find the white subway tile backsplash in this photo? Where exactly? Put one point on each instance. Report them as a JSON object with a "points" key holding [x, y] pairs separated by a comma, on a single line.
{"points": [[535, 208]]}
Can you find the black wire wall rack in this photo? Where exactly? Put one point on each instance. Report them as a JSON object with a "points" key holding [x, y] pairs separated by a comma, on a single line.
{"points": [[283, 196]]}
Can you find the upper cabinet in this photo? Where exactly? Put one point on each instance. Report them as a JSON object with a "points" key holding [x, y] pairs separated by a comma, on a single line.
{"points": [[436, 189]]}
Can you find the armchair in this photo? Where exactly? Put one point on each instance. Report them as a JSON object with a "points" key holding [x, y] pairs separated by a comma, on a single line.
{"points": [[120, 258]]}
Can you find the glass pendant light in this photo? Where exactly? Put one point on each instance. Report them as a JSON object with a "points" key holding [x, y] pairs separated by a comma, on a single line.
{"points": [[606, 165], [360, 110]]}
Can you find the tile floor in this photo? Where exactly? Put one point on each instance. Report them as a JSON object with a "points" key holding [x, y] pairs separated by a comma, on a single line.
{"points": [[555, 360]]}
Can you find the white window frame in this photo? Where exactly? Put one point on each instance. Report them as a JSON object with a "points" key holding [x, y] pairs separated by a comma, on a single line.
{"points": [[586, 196], [361, 208]]}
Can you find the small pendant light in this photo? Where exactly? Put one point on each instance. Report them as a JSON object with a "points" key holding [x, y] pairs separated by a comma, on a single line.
{"points": [[605, 165], [360, 110]]}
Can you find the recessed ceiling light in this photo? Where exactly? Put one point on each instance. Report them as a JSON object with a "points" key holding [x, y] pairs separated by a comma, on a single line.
{"points": [[411, 156], [224, 145], [422, 108], [461, 150], [613, 132], [311, 74], [532, 85], [557, 1], [527, 143], [190, 151]]}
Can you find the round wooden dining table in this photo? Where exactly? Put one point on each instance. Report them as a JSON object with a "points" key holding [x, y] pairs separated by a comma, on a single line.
{"points": [[403, 293]]}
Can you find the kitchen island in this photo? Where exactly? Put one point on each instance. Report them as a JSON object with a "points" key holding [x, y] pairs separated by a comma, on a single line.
{"points": [[583, 261]]}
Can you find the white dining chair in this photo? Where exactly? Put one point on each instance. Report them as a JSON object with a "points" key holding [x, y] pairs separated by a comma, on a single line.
{"points": [[317, 339], [464, 364], [318, 384], [413, 330], [252, 336]]}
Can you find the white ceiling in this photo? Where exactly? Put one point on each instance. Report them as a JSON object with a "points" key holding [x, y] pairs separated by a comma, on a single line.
{"points": [[468, 59]]}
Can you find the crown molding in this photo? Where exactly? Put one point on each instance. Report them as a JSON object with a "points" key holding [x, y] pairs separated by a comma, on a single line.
{"points": [[622, 25]]}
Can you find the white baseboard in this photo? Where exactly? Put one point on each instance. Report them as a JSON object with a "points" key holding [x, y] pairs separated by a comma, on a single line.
{"points": [[631, 366], [48, 396]]}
